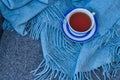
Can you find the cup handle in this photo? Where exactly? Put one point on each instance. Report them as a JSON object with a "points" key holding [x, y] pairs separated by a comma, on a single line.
{"points": [[93, 13]]}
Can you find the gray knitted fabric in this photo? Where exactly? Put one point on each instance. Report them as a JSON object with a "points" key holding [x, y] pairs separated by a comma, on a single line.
{"points": [[18, 56], [1, 21]]}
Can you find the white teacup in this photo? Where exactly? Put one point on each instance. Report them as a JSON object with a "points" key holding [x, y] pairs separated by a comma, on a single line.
{"points": [[85, 11]]}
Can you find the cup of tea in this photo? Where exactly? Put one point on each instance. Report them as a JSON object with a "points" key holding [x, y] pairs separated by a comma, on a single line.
{"points": [[79, 25], [81, 20]]}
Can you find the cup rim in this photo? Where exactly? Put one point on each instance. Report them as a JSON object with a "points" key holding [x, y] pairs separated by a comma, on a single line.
{"points": [[85, 11]]}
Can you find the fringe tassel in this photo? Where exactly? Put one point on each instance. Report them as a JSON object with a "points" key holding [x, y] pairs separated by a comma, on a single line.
{"points": [[48, 73], [50, 16]]}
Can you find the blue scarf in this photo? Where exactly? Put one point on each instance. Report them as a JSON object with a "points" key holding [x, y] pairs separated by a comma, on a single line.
{"points": [[63, 58]]}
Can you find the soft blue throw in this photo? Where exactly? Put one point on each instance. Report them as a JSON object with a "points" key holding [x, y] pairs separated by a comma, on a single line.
{"points": [[63, 58]]}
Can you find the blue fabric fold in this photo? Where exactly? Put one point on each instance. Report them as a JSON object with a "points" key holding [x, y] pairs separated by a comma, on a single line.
{"points": [[22, 15], [12, 4]]}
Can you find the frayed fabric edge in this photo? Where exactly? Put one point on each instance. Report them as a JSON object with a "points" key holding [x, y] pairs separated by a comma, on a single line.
{"points": [[47, 73]]}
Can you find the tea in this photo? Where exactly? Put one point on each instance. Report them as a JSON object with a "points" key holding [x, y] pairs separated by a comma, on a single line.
{"points": [[80, 22]]}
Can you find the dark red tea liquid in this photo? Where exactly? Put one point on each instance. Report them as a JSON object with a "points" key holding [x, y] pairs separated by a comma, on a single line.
{"points": [[80, 22]]}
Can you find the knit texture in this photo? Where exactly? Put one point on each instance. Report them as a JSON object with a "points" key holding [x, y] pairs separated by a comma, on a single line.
{"points": [[18, 56], [1, 22]]}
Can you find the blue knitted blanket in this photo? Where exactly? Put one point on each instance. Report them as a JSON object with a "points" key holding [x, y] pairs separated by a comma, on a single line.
{"points": [[65, 59]]}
